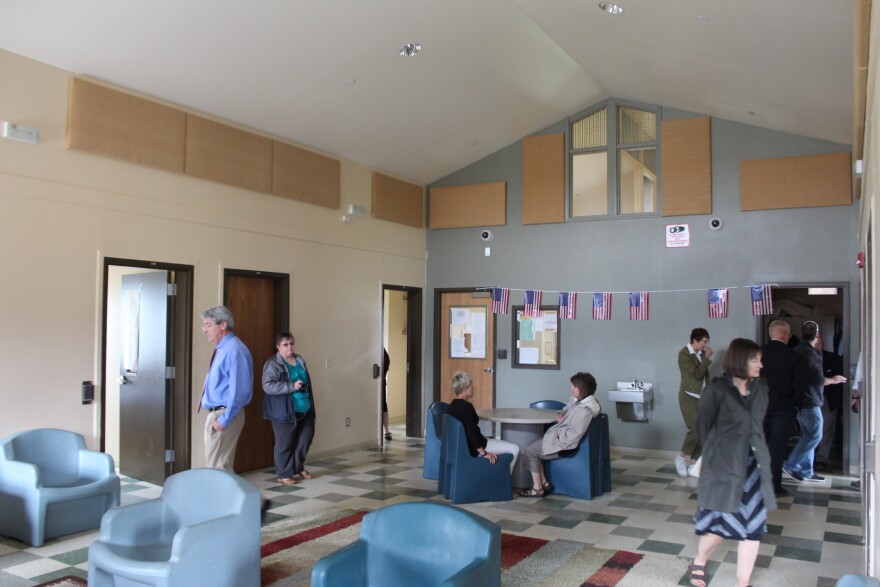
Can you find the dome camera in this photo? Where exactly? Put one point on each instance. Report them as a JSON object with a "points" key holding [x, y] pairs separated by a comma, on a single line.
{"points": [[716, 223], [486, 235]]}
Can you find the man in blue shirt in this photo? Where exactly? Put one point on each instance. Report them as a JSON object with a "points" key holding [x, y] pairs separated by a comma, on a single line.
{"points": [[228, 388]]}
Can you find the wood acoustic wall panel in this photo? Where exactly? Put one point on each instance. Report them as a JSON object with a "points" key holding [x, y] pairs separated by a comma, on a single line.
{"points": [[398, 201], [114, 124], [225, 154], [796, 182], [305, 176], [543, 197], [479, 204], [686, 145]]}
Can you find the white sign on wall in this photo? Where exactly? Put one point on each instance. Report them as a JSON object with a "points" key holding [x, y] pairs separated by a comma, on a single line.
{"points": [[678, 235]]}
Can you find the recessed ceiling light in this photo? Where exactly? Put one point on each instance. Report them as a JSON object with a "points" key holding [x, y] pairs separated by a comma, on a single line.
{"points": [[611, 8], [703, 17], [410, 50], [350, 81], [752, 113]]}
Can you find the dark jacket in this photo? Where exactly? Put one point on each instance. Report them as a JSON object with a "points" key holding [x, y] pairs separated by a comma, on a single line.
{"points": [[470, 421], [278, 403], [728, 425], [783, 374], [811, 363]]}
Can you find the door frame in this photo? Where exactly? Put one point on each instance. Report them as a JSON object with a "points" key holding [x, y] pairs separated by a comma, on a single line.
{"points": [[179, 410], [413, 357], [439, 331]]}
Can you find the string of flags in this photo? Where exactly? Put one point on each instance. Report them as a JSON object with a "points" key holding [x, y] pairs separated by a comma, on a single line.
{"points": [[639, 302]]}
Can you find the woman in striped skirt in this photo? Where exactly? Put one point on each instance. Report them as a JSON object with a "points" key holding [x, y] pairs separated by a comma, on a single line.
{"points": [[736, 487]]}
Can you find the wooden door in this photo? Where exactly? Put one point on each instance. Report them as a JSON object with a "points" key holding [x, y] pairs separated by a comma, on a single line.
{"points": [[479, 365], [252, 301]]}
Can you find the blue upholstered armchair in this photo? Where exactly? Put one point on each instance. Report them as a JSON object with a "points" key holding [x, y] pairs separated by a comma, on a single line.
{"points": [[423, 543], [51, 486], [203, 530], [586, 473], [433, 424], [468, 479]]}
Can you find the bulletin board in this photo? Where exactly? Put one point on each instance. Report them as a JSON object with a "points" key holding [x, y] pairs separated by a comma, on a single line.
{"points": [[467, 332], [536, 339]]}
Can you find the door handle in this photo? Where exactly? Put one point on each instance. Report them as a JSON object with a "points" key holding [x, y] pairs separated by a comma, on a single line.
{"points": [[122, 380], [489, 370]]}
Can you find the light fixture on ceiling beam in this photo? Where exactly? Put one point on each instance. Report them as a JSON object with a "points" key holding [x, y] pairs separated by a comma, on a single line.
{"points": [[611, 8], [410, 50]]}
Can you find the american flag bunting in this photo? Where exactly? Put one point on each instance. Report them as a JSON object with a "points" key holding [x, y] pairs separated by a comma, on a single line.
{"points": [[762, 300], [567, 304], [532, 299], [602, 306], [718, 303], [638, 305], [500, 300]]}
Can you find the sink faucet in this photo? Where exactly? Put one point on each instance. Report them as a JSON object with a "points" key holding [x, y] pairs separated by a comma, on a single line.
{"points": [[637, 384]]}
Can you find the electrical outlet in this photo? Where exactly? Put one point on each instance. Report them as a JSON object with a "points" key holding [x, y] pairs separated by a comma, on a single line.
{"points": [[347, 422]]}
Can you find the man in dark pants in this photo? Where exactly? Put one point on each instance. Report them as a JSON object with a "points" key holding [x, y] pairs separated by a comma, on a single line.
{"points": [[781, 370]]}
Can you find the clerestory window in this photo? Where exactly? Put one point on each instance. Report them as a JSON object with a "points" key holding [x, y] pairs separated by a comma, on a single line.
{"points": [[614, 161]]}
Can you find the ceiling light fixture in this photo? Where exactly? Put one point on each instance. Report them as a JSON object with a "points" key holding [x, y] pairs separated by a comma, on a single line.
{"points": [[611, 8], [410, 50]]}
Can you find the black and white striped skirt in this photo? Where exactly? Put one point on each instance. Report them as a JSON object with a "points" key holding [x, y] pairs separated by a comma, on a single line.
{"points": [[749, 523]]}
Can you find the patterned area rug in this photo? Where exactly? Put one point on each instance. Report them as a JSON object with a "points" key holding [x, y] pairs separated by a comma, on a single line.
{"points": [[69, 581], [291, 548]]}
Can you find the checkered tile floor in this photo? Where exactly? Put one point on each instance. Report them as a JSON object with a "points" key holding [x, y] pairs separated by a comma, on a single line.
{"points": [[814, 536]]}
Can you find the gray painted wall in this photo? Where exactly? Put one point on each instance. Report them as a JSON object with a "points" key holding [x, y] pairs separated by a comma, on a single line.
{"points": [[621, 255]]}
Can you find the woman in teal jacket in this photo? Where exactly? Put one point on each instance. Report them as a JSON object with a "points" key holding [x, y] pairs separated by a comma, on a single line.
{"points": [[736, 486]]}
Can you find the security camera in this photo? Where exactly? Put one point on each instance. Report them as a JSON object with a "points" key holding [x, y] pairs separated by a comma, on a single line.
{"points": [[486, 235], [716, 223]]}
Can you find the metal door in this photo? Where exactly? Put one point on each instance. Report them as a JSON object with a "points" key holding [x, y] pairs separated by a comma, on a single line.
{"points": [[145, 377], [480, 367]]}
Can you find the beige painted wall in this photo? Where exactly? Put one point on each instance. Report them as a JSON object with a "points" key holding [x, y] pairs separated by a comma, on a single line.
{"points": [[62, 212]]}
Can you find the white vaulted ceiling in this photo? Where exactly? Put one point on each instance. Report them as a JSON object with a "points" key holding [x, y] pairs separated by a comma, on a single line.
{"points": [[490, 72]]}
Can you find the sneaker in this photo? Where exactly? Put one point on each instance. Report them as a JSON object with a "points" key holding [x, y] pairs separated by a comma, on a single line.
{"points": [[792, 474], [814, 477], [694, 470], [857, 485], [681, 466], [781, 492]]}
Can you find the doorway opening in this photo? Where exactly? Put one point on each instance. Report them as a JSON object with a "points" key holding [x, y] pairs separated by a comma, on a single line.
{"points": [[146, 362], [402, 339], [826, 304], [260, 303]]}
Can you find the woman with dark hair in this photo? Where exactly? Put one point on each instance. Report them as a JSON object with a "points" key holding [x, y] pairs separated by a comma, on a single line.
{"points": [[736, 487], [289, 404]]}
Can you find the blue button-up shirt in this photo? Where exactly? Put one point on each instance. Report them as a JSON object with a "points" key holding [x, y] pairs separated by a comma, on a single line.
{"points": [[230, 380]]}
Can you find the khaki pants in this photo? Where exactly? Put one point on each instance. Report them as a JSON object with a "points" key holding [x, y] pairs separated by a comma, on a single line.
{"points": [[220, 446], [688, 405]]}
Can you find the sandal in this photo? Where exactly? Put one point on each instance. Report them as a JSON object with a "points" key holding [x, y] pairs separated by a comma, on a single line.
{"points": [[547, 487], [697, 575], [532, 492], [305, 474]]}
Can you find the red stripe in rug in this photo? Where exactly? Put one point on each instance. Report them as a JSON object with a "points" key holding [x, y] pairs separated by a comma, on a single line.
{"points": [[290, 541], [614, 569], [516, 548]]}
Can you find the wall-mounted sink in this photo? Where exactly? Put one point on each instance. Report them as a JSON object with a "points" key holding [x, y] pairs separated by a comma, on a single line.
{"points": [[633, 399]]}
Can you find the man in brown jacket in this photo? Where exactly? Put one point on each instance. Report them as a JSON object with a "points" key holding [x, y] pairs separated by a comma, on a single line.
{"points": [[693, 363]]}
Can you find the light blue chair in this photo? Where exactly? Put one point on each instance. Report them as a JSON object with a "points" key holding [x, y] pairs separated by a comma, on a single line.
{"points": [[468, 479], [203, 530], [433, 424], [422, 543], [51, 486], [547, 404], [585, 473]]}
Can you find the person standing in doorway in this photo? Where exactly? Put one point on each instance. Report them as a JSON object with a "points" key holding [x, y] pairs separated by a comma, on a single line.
{"points": [[832, 364], [783, 374], [229, 387], [799, 464], [386, 365], [693, 364]]}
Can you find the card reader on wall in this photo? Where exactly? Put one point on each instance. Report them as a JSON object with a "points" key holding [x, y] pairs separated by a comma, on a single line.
{"points": [[88, 392]]}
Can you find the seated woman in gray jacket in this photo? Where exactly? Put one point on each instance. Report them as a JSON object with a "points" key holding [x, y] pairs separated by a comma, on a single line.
{"points": [[571, 425]]}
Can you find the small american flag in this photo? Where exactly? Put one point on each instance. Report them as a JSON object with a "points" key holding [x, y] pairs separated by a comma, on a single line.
{"points": [[533, 303], [602, 306], [762, 300], [718, 303], [500, 300], [567, 304], [638, 305]]}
